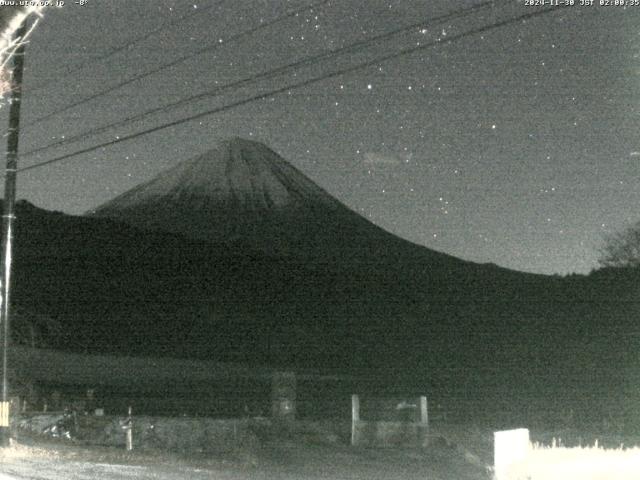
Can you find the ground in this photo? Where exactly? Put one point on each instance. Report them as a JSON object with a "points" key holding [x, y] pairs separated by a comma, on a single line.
{"points": [[278, 459]]}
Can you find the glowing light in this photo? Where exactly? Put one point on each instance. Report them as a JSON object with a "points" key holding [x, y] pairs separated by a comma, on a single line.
{"points": [[8, 44]]}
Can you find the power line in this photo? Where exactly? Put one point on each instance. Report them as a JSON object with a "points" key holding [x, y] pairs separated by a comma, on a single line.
{"points": [[132, 42], [295, 86], [305, 83], [200, 51], [270, 73]]}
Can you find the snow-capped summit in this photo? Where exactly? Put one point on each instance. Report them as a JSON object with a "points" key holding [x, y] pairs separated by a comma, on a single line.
{"points": [[241, 191], [238, 174]]}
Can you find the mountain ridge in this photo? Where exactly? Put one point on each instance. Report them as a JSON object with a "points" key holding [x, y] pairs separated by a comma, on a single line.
{"points": [[243, 192]]}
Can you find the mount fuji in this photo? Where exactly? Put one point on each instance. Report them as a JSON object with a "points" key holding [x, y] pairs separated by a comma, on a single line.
{"points": [[243, 193]]}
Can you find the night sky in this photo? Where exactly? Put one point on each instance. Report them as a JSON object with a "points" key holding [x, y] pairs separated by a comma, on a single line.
{"points": [[517, 145]]}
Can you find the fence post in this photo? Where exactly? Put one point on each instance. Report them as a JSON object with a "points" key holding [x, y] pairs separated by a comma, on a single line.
{"points": [[129, 431], [355, 417], [424, 412]]}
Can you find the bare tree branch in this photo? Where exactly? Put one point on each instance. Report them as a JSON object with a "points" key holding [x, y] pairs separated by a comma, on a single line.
{"points": [[622, 249]]}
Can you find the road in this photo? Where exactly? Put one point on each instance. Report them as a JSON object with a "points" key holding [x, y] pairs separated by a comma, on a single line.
{"points": [[50, 470], [288, 461]]}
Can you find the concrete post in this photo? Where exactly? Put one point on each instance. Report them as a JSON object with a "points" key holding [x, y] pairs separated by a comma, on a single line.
{"points": [[424, 413], [355, 418]]}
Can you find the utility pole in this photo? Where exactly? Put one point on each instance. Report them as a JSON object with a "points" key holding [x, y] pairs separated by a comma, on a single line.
{"points": [[8, 216]]}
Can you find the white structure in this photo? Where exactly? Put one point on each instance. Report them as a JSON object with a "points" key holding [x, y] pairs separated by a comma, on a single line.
{"points": [[511, 447]]}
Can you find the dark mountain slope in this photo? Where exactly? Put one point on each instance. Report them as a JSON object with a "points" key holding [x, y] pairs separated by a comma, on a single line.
{"points": [[116, 288]]}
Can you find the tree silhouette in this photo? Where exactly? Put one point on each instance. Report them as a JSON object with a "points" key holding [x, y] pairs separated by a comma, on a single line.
{"points": [[622, 249]]}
